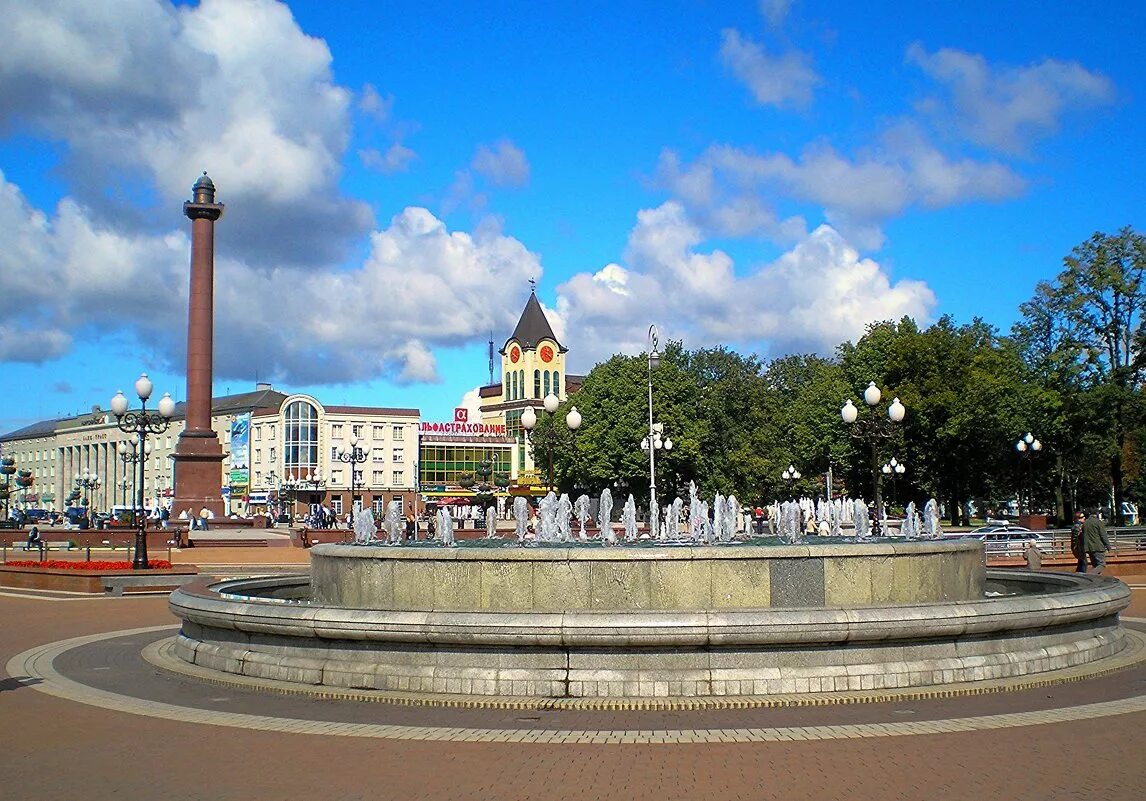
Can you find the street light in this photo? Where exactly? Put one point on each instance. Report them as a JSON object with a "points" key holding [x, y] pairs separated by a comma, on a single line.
{"points": [[550, 404], [7, 470], [141, 424], [791, 475], [871, 428], [353, 457], [652, 442], [895, 469], [1028, 447], [88, 482]]}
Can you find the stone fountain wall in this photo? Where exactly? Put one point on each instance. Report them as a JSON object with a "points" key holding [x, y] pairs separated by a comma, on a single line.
{"points": [[646, 578]]}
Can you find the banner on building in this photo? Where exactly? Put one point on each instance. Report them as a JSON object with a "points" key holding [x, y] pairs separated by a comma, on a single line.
{"points": [[241, 451]]}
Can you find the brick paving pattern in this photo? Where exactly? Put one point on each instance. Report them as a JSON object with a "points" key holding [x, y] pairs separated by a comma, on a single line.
{"points": [[57, 748]]}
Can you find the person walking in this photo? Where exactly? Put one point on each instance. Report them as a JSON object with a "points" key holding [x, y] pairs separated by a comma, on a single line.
{"points": [[1095, 541], [1076, 543]]}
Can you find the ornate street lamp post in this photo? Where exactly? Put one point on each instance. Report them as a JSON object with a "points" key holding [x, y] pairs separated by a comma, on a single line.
{"points": [[130, 453], [87, 482], [653, 439], [1028, 447], [871, 428], [550, 404], [141, 423], [353, 457], [894, 469], [7, 470], [24, 479], [791, 475]]}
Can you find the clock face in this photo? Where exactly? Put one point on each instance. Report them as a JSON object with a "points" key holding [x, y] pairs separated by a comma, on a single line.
{"points": [[515, 354], [546, 354]]}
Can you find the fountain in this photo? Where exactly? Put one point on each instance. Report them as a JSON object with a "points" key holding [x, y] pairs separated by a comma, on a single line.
{"points": [[699, 613]]}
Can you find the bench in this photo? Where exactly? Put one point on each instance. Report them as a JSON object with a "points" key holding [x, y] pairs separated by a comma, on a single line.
{"points": [[115, 585]]}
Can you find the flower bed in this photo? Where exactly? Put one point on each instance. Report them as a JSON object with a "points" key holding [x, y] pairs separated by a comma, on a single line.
{"points": [[65, 564]]}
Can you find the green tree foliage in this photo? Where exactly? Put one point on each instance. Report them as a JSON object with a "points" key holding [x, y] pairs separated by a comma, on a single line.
{"points": [[1083, 335], [1070, 371]]}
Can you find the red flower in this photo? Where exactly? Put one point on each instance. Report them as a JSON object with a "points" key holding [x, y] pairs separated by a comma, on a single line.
{"points": [[64, 564]]}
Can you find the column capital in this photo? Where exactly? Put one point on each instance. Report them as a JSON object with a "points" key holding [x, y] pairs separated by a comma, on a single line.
{"points": [[202, 211]]}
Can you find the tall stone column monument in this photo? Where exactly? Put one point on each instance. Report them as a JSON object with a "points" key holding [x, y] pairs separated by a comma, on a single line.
{"points": [[198, 454]]}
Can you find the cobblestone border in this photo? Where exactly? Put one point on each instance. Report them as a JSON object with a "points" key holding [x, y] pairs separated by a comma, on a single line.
{"points": [[37, 664]]}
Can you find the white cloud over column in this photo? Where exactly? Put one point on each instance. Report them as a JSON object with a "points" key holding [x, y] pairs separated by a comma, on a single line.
{"points": [[141, 90]]}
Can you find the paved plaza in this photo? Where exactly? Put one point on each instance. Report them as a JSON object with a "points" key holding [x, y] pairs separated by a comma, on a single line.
{"points": [[88, 714]]}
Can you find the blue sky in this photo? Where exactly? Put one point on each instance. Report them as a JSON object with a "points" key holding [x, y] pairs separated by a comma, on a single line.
{"points": [[771, 176]]}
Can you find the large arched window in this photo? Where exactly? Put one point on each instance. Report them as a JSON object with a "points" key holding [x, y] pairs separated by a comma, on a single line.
{"points": [[537, 383], [546, 383], [556, 384], [300, 439]]}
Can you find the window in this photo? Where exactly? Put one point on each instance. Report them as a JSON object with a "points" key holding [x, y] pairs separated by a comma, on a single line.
{"points": [[356, 430], [336, 504], [336, 431], [378, 506], [379, 478], [258, 454], [546, 383], [272, 457], [399, 456], [400, 504], [379, 455], [358, 477], [399, 478], [379, 432], [556, 384], [271, 432], [301, 438], [258, 433], [537, 383], [258, 477], [399, 433], [336, 477], [334, 453]]}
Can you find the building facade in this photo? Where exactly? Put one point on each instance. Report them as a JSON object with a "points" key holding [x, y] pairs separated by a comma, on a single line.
{"points": [[268, 438], [532, 366]]}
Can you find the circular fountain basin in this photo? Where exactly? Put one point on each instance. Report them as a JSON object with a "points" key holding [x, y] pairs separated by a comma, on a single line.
{"points": [[649, 622], [633, 578]]}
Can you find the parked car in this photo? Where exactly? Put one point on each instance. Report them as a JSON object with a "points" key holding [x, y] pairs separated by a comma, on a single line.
{"points": [[992, 528], [1010, 540]]}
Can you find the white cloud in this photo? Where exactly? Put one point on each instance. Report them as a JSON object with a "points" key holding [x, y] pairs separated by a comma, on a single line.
{"points": [[1007, 108], [727, 188], [397, 158], [779, 80], [141, 90], [421, 287], [813, 297], [775, 11], [373, 103], [503, 165], [471, 401]]}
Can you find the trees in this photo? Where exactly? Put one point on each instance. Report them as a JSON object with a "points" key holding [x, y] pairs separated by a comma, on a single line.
{"points": [[1086, 329]]}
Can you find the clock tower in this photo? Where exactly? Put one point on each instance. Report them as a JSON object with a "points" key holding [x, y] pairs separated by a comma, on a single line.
{"points": [[532, 366]]}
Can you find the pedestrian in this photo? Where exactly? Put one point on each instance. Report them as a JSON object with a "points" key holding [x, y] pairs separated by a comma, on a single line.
{"points": [[33, 539], [759, 514], [1034, 556], [204, 515], [1095, 541], [411, 528], [1076, 542]]}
